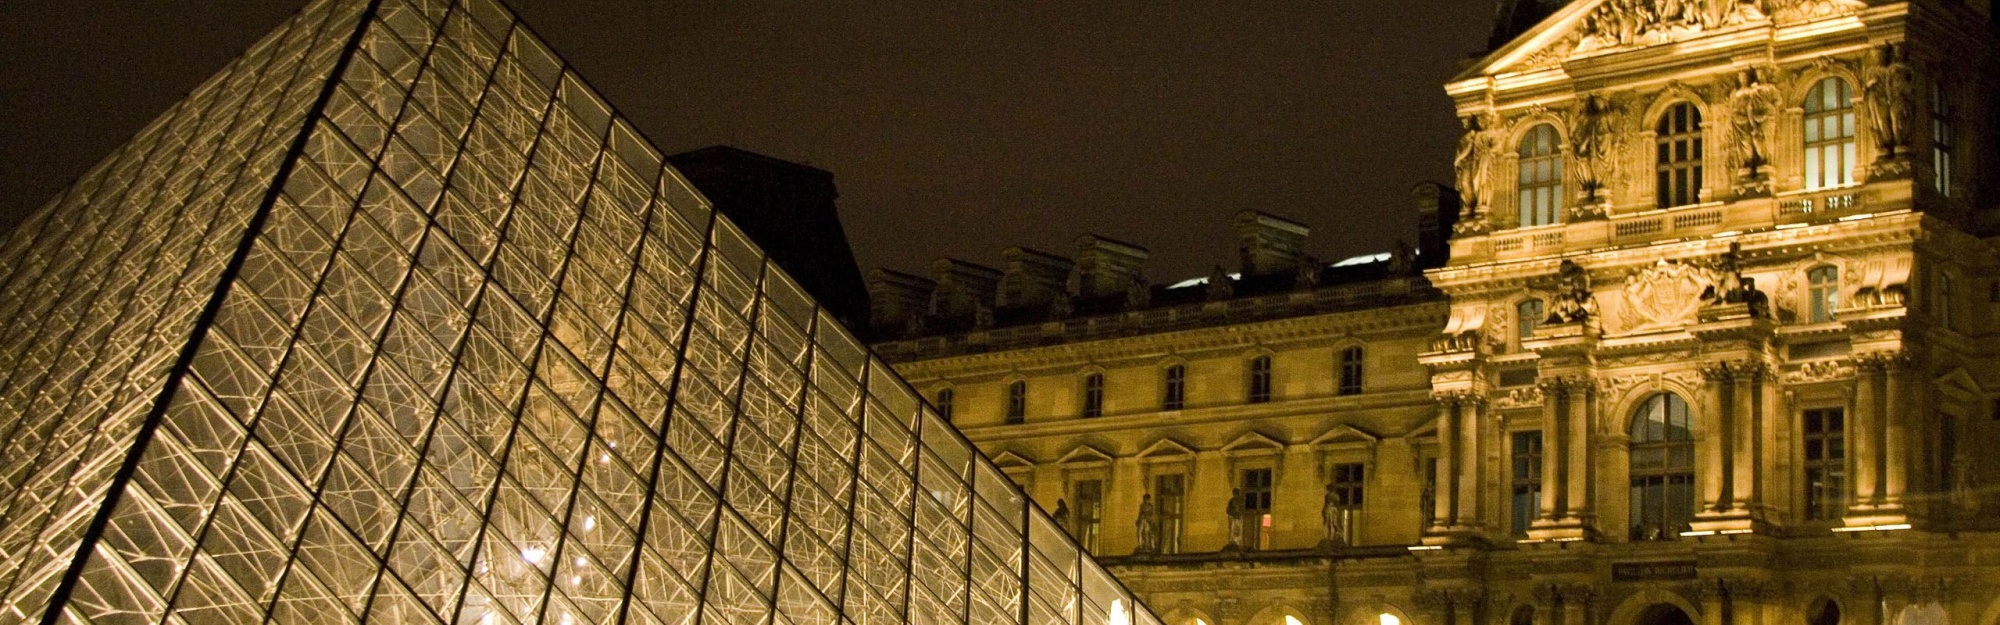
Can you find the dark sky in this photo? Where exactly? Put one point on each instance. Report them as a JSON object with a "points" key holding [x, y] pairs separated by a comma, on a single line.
{"points": [[952, 128]]}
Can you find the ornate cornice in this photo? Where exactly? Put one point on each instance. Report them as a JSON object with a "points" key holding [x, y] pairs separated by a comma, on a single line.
{"points": [[1419, 320]]}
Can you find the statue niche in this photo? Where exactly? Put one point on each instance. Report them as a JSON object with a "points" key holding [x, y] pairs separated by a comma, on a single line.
{"points": [[1473, 172], [1591, 146], [1752, 106], [1890, 89]]}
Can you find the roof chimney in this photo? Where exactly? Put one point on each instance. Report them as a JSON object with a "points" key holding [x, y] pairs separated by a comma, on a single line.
{"points": [[1033, 277], [1437, 210], [1269, 243], [963, 288], [1106, 266], [897, 300]]}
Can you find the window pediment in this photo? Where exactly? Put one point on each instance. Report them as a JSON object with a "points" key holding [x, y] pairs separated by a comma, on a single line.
{"points": [[1085, 456], [1253, 444], [1167, 450]]}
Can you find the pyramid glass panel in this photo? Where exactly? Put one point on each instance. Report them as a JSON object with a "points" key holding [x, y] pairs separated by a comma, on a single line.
{"points": [[394, 320]]}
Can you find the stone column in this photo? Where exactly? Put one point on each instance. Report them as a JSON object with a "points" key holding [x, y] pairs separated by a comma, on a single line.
{"points": [[1709, 436], [1446, 514], [1743, 435], [1553, 458], [1472, 461], [1896, 416], [1581, 400], [1863, 427]]}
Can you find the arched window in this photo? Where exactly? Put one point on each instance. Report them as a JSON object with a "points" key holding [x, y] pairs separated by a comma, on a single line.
{"points": [[1093, 395], [1350, 370], [1523, 615], [1541, 199], [1823, 611], [1260, 380], [1678, 156], [1527, 316], [1829, 134], [945, 398], [1823, 287], [1662, 468], [1017, 402]]}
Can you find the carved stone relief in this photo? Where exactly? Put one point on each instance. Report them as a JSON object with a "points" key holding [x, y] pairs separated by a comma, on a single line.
{"points": [[1519, 398], [1665, 295], [1820, 371]]}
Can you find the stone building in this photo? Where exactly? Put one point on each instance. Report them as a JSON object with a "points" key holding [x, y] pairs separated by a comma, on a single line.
{"points": [[1714, 343]]}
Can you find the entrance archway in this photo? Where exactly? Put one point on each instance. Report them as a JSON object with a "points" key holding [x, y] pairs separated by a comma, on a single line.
{"points": [[1662, 614]]}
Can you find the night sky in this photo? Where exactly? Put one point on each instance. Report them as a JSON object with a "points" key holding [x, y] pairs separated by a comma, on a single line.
{"points": [[952, 128]]}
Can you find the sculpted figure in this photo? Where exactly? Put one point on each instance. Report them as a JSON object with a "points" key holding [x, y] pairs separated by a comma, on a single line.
{"points": [[1751, 108], [1220, 287], [1402, 258], [1138, 294], [1731, 287], [1235, 512], [1330, 517], [1590, 144], [1891, 104], [1573, 300], [1148, 527], [1308, 273], [1061, 515], [1474, 187]]}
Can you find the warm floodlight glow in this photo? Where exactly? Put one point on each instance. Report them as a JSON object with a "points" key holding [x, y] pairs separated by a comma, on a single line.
{"points": [[469, 313], [1292, 620], [1386, 618]]}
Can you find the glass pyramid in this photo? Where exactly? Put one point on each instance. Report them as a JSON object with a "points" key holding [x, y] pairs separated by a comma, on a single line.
{"points": [[395, 321]]}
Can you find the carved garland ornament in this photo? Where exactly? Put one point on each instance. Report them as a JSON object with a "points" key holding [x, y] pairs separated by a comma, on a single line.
{"points": [[1630, 23]]}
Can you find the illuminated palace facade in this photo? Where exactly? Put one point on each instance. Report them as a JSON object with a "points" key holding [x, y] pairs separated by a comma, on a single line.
{"points": [[1714, 343]]}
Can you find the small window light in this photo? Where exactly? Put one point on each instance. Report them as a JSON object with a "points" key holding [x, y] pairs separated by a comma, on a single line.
{"points": [[1292, 620], [1389, 619]]}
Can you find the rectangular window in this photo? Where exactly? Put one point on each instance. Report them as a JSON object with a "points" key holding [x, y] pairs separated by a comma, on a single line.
{"points": [[1260, 379], [1823, 288], [1257, 508], [1948, 459], [1825, 464], [945, 398], [1528, 315], [1944, 300], [1174, 393], [1349, 484], [1089, 495], [1526, 478], [1017, 402], [1944, 139], [1170, 503], [1093, 395], [1350, 371]]}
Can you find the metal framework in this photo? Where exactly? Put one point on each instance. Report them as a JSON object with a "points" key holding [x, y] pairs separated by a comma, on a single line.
{"points": [[394, 320]]}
